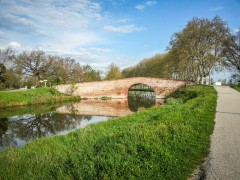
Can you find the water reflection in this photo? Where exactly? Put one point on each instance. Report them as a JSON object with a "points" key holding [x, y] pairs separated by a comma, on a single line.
{"points": [[17, 130], [139, 100], [94, 107], [18, 127]]}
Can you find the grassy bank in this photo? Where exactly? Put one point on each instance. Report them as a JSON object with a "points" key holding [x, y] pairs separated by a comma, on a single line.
{"points": [[236, 87], [33, 109], [33, 96], [159, 143]]}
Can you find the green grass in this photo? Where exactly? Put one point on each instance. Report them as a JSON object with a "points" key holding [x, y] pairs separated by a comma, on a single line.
{"points": [[105, 98], [236, 87], [165, 142], [33, 96]]}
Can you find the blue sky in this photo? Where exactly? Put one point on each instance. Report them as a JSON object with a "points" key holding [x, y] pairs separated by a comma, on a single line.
{"points": [[99, 32]]}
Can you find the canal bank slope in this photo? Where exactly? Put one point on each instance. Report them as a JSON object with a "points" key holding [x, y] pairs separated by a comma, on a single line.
{"points": [[224, 159], [166, 142]]}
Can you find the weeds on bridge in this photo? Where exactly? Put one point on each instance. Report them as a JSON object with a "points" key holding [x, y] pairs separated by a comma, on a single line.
{"points": [[159, 143]]}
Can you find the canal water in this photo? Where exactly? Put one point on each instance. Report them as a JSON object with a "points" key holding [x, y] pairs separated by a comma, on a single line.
{"points": [[23, 124]]}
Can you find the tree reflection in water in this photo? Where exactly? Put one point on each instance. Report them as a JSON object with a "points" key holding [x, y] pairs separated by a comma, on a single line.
{"points": [[17, 130], [6, 139]]}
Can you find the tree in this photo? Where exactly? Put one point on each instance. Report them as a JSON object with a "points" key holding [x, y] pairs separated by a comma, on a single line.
{"points": [[34, 63], [231, 52], [64, 70], [5, 63], [151, 67], [2, 73], [113, 72], [197, 49], [90, 74], [13, 78], [6, 57]]}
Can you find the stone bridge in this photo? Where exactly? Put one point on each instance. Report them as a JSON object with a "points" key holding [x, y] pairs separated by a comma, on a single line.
{"points": [[119, 88]]}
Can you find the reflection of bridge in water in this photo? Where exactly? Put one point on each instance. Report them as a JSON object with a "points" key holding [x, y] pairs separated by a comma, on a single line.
{"points": [[112, 108]]}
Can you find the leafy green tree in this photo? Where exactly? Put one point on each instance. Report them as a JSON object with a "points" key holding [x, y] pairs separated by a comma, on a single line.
{"points": [[90, 74], [14, 79], [152, 67], [64, 70], [197, 49], [7, 69], [113, 72], [2, 73]]}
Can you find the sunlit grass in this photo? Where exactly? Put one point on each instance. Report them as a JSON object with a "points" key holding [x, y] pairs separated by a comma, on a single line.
{"points": [[160, 143], [33, 96]]}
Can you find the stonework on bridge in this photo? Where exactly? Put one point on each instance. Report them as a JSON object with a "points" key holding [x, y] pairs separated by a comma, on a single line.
{"points": [[119, 88]]}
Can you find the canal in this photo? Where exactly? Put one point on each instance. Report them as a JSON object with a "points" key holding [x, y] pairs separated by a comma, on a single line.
{"points": [[23, 124]]}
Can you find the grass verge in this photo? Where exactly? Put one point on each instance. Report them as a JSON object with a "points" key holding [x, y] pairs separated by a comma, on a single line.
{"points": [[159, 143], [236, 88], [33, 96]]}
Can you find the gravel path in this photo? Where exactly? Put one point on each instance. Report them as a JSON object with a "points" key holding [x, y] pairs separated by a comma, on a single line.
{"points": [[224, 159]]}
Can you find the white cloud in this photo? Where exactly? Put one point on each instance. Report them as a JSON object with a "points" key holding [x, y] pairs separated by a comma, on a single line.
{"points": [[140, 6], [81, 57], [125, 20], [14, 45], [100, 50], [217, 8], [146, 4], [150, 3], [123, 29], [41, 18]]}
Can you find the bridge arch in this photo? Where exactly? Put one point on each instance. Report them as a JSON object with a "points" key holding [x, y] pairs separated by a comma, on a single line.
{"points": [[144, 86]]}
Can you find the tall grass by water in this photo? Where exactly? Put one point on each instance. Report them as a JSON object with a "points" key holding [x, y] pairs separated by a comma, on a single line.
{"points": [[33, 96], [160, 143]]}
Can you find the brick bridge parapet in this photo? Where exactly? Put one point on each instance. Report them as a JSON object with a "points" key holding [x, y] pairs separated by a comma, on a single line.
{"points": [[119, 88]]}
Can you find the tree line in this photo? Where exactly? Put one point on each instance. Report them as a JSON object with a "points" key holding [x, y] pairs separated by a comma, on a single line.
{"points": [[202, 47], [30, 68]]}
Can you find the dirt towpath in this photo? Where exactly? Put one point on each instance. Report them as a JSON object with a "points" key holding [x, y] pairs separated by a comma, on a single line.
{"points": [[223, 162]]}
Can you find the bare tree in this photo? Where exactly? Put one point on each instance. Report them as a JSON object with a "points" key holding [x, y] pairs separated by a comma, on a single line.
{"points": [[6, 56], [232, 52], [34, 63]]}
